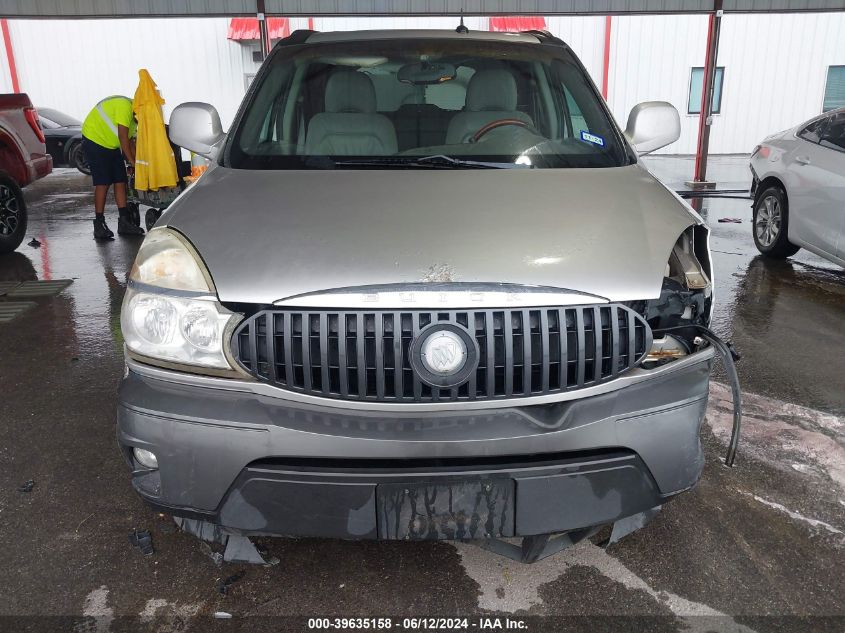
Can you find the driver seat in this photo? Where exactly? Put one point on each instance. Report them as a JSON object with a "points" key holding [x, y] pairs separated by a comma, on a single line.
{"points": [[350, 126], [491, 95]]}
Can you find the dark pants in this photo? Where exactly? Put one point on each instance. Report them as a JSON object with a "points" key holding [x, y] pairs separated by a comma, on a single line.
{"points": [[107, 165]]}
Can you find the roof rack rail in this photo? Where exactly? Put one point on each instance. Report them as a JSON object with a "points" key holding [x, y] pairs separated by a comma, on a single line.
{"points": [[300, 36], [545, 36]]}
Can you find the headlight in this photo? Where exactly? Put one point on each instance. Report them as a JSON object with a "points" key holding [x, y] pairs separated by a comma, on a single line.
{"points": [[166, 260], [686, 296], [177, 329], [685, 301], [170, 312]]}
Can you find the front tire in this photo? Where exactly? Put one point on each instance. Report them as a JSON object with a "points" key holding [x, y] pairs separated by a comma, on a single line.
{"points": [[12, 214], [151, 217], [76, 158], [770, 224]]}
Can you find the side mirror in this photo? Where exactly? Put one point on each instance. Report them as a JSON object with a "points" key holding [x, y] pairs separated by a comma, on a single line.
{"points": [[652, 125], [196, 127]]}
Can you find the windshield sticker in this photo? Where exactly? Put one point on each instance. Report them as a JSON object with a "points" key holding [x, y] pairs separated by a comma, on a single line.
{"points": [[592, 138]]}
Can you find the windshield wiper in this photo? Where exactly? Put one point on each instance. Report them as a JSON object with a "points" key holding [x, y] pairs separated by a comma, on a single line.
{"points": [[438, 161], [442, 159]]}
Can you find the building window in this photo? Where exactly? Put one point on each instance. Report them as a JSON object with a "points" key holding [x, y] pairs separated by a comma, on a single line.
{"points": [[696, 83], [834, 89]]}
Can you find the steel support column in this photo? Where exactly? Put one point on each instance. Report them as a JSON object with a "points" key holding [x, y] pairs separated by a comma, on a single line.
{"points": [[705, 117], [263, 31]]}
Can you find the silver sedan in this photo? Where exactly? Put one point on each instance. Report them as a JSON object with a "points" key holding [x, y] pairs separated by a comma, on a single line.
{"points": [[799, 189]]}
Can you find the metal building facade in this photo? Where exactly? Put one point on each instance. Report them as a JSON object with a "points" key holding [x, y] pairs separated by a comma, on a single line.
{"points": [[775, 65]]}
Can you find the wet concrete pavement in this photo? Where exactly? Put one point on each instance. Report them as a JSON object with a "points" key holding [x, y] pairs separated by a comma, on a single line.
{"points": [[787, 318], [756, 548]]}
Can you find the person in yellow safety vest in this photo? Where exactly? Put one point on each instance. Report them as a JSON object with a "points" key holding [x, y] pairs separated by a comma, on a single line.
{"points": [[106, 141]]}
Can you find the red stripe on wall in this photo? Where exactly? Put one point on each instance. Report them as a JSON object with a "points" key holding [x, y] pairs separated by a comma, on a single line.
{"points": [[517, 23], [46, 270], [247, 28], [10, 54], [605, 77]]}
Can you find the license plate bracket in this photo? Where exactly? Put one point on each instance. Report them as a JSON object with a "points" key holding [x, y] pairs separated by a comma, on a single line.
{"points": [[453, 510]]}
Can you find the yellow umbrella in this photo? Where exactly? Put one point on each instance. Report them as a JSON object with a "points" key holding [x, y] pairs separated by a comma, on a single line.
{"points": [[155, 165]]}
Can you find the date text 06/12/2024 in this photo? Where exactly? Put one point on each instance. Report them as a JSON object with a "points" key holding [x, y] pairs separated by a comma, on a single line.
{"points": [[417, 624]]}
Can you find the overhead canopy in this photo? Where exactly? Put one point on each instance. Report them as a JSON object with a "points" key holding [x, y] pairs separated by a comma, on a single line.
{"points": [[247, 28], [184, 8]]}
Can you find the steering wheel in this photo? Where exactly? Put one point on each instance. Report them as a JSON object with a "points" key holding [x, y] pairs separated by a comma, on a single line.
{"points": [[498, 123]]}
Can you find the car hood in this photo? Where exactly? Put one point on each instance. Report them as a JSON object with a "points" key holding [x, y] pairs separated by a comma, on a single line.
{"points": [[271, 235]]}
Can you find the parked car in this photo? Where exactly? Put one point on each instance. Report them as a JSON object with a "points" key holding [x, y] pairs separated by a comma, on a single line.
{"points": [[63, 134], [439, 310], [798, 184], [23, 159]]}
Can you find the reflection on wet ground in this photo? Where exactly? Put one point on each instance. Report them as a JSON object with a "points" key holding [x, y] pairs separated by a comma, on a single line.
{"points": [[751, 540], [785, 317]]}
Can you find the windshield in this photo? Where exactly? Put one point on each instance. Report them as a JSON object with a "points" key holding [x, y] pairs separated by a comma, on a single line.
{"points": [[424, 103], [58, 118]]}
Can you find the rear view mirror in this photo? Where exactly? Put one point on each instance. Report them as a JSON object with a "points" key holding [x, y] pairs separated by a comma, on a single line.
{"points": [[652, 125], [196, 127], [425, 73]]}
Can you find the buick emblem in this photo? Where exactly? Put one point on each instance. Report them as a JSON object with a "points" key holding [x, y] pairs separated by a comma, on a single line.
{"points": [[443, 353]]}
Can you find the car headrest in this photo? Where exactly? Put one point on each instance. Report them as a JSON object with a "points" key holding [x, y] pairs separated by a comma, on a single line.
{"points": [[350, 91], [493, 89]]}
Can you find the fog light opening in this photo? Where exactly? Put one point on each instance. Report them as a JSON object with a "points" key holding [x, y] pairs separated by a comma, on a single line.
{"points": [[146, 458]]}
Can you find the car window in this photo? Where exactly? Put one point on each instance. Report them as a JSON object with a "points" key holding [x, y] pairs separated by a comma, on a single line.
{"points": [[813, 132], [450, 95], [59, 119], [47, 124], [319, 105], [834, 134]]}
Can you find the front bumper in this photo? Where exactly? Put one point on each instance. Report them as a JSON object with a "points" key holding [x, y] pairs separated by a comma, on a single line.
{"points": [[256, 462]]}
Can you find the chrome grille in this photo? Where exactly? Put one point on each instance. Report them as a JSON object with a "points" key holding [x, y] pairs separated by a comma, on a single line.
{"points": [[364, 355]]}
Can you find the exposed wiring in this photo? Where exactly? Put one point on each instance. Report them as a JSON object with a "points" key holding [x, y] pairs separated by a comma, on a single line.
{"points": [[729, 356]]}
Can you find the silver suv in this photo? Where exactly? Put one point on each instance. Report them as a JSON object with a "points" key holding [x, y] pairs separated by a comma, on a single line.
{"points": [[426, 290]]}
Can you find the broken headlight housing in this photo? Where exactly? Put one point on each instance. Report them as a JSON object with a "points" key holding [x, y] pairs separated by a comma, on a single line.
{"points": [[685, 301], [170, 315], [666, 348]]}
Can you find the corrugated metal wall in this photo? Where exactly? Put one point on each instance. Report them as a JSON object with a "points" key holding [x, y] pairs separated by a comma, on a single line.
{"points": [[651, 58], [5, 77], [350, 23], [69, 65], [775, 71], [586, 37], [775, 65]]}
